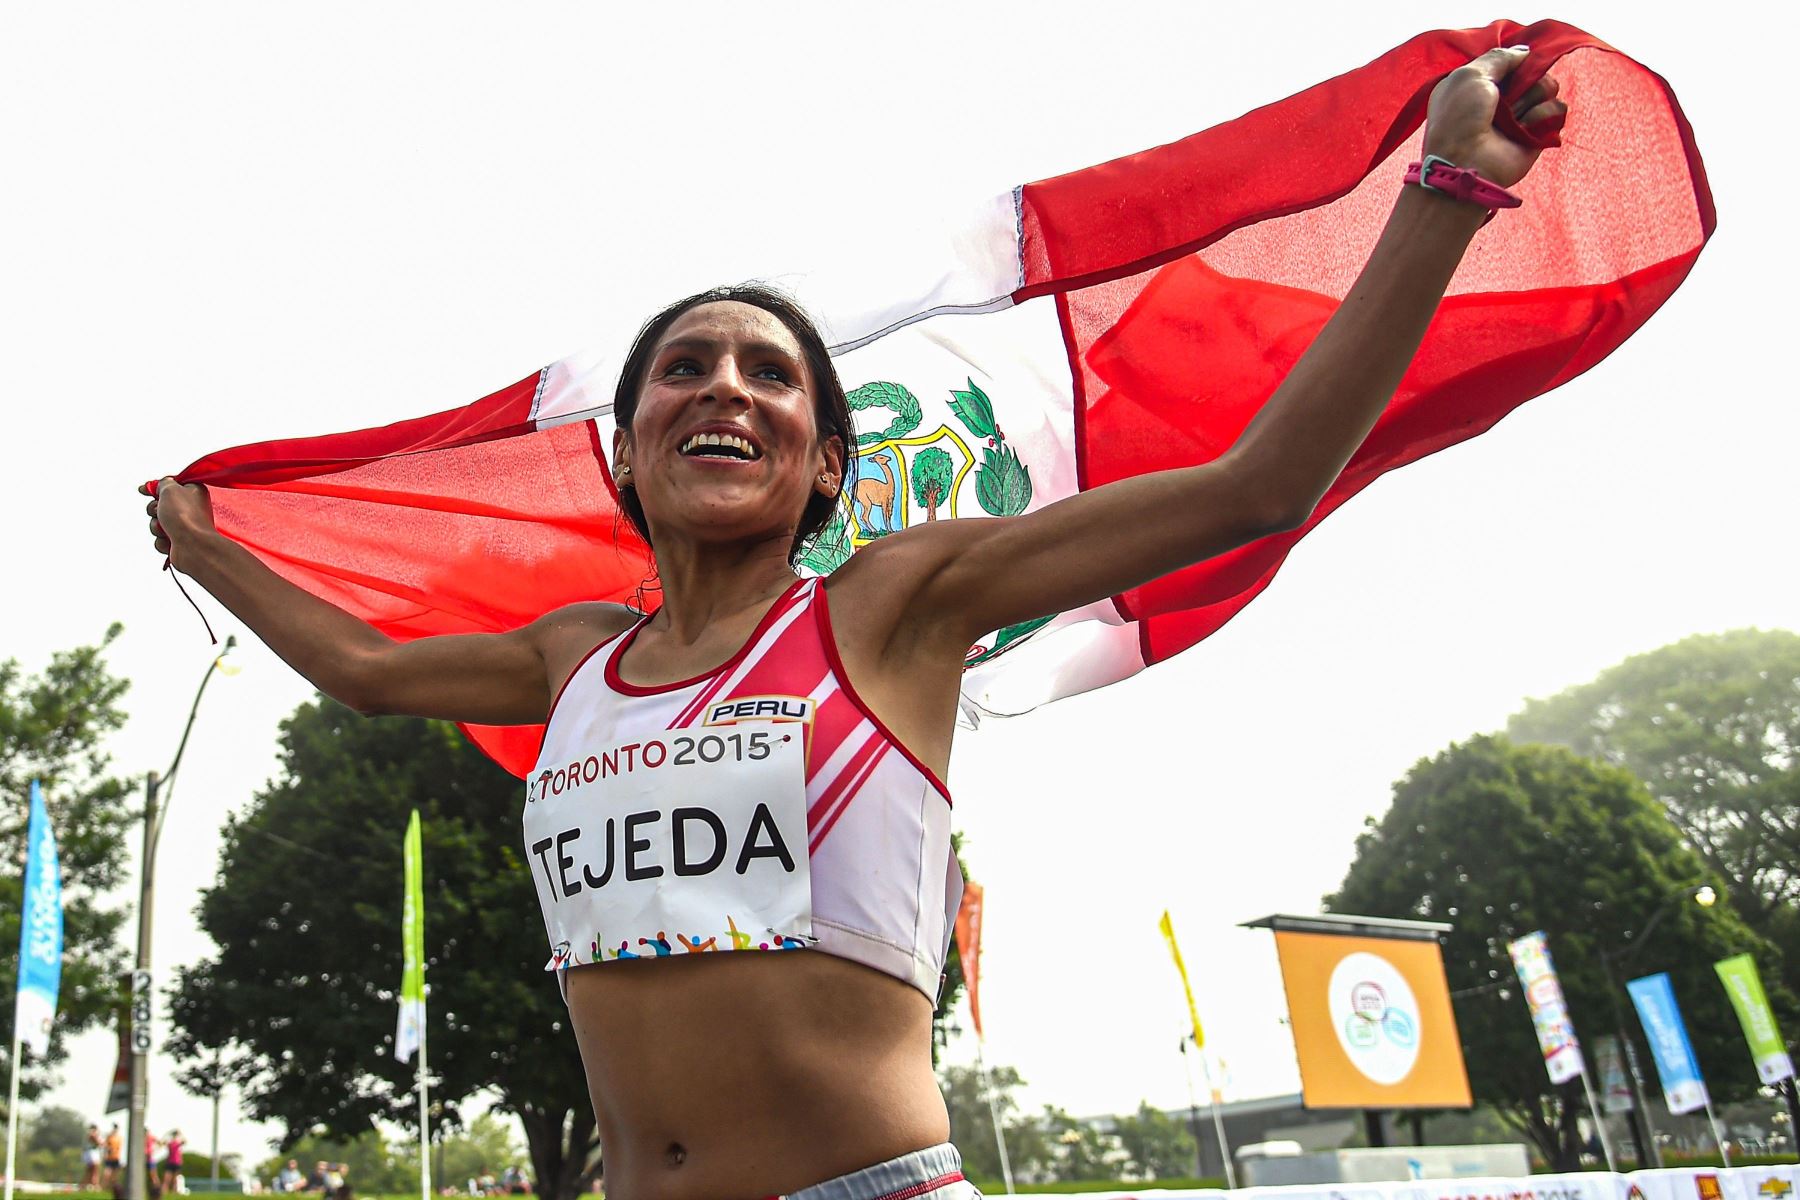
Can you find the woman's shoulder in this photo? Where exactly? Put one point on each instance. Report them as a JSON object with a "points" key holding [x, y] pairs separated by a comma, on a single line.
{"points": [[583, 626], [568, 635]]}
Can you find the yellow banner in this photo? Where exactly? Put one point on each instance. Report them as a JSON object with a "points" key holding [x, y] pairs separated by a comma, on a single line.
{"points": [[1168, 932]]}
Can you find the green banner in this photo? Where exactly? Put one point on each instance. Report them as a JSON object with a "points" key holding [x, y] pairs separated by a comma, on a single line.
{"points": [[1745, 988], [409, 1034]]}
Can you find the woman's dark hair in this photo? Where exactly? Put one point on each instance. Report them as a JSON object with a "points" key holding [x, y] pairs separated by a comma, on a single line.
{"points": [[832, 410]]}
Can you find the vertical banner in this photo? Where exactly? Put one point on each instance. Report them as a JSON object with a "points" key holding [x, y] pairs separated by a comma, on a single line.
{"points": [[1745, 988], [411, 1027], [1549, 1012], [40, 932], [968, 948], [118, 1096], [1168, 931], [1615, 1084], [1683, 1088]]}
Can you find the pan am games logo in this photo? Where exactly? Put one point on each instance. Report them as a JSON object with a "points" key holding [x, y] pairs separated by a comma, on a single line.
{"points": [[1375, 1015]]}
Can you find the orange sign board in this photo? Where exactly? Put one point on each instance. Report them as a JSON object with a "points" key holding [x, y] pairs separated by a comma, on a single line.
{"points": [[1372, 1022]]}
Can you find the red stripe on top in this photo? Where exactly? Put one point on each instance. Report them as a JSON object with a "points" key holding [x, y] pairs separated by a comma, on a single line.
{"points": [[853, 766], [785, 667], [791, 599], [851, 792], [834, 721], [823, 612], [618, 683], [570, 677]]}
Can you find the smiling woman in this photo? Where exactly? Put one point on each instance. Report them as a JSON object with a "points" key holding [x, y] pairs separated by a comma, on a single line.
{"points": [[737, 821], [677, 345]]}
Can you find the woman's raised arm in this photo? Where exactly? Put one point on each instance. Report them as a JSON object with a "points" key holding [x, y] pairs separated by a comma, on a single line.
{"points": [[987, 574], [488, 679]]}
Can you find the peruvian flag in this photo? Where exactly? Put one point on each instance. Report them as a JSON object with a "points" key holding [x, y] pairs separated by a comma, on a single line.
{"points": [[1125, 318]]}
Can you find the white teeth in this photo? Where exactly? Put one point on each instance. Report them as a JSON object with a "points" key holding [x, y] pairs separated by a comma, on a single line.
{"points": [[723, 440]]}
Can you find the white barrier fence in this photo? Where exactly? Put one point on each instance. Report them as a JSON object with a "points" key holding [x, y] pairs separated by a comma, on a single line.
{"points": [[1675, 1183]]}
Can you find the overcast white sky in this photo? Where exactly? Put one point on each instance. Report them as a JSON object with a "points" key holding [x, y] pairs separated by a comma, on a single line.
{"points": [[228, 222]]}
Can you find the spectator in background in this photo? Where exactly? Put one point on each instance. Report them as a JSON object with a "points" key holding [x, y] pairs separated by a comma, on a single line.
{"points": [[90, 1160], [316, 1181], [112, 1158], [289, 1179], [171, 1164]]}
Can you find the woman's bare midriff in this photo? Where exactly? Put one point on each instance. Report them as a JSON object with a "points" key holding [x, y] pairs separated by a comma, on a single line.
{"points": [[752, 1074]]}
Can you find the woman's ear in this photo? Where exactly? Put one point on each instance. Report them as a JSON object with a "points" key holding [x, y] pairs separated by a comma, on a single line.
{"points": [[621, 455], [831, 466]]}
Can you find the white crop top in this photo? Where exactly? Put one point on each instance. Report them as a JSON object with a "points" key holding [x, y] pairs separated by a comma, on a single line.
{"points": [[758, 806]]}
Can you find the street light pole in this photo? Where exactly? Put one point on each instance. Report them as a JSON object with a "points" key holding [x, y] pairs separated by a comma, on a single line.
{"points": [[1641, 1128], [143, 996], [136, 1169]]}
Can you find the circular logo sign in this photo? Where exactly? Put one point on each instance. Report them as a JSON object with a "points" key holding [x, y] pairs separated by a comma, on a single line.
{"points": [[1375, 1015]]}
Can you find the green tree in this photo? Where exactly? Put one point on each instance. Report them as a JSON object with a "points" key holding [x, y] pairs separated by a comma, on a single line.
{"points": [[300, 999], [1501, 840], [53, 727], [1156, 1145], [50, 1144], [932, 474], [971, 1124], [1082, 1151], [1711, 724], [487, 1146], [372, 1166]]}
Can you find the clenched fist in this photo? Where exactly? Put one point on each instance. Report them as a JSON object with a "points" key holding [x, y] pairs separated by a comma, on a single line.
{"points": [[1459, 123], [179, 513]]}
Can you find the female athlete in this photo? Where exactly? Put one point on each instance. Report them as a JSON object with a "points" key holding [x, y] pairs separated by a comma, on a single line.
{"points": [[756, 763]]}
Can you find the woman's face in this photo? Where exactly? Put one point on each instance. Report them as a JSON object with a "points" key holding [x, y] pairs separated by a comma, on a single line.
{"points": [[725, 444]]}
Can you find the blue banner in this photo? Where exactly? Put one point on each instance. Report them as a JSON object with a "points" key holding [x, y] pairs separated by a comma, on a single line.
{"points": [[40, 932], [1676, 1066]]}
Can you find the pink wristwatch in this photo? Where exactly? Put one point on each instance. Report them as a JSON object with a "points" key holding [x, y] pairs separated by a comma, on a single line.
{"points": [[1460, 183]]}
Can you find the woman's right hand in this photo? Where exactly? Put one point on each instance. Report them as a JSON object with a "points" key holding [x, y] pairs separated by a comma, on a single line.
{"points": [[179, 512]]}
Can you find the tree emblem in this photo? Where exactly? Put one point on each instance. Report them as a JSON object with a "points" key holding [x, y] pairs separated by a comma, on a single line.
{"points": [[932, 475]]}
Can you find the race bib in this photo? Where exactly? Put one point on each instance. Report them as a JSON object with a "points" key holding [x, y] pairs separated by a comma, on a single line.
{"points": [[688, 842]]}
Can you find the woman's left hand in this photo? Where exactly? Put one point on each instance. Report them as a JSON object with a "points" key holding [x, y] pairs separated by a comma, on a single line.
{"points": [[1459, 123]]}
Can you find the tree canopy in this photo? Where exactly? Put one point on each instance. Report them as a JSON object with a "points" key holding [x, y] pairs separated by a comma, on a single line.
{"points": [[971, 1125], [300, 998], [487, 1145], [53, 728], [1711, 724], [1156, 1145], [1501, 840]]}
